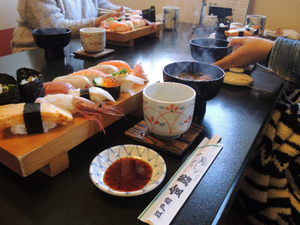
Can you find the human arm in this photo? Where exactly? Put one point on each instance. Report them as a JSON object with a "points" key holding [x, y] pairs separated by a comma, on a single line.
{"points": [[283, 55], [107, 5], [249, 50], [52, 13], [285, 59]]}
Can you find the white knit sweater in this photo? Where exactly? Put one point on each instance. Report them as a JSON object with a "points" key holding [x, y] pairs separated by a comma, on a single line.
{"points": [[73, 14]]}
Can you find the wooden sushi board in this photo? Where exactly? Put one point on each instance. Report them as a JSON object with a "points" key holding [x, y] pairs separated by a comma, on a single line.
{"points": [[48, 152], [127, 38]]}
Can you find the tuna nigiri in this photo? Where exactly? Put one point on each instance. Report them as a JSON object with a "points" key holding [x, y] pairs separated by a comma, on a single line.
{"points": [[31, 118], [56, 87], [77, 81]]}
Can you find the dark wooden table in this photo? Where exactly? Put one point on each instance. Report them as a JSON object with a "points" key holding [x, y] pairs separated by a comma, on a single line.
{"points": [[238, 114]]}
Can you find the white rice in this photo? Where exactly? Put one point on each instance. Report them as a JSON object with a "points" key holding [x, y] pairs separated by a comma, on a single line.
{"points": [[21, 129]]}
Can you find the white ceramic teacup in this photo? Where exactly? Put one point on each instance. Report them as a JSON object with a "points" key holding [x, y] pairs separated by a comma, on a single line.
{"points": [[93, 39], [168, 108]]}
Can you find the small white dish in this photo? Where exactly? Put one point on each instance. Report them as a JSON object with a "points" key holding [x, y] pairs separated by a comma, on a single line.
{"points": [[106, 158]]}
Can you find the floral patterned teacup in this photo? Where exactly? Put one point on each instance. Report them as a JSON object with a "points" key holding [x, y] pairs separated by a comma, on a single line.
{"points": [[168, 108], [93, 39]]}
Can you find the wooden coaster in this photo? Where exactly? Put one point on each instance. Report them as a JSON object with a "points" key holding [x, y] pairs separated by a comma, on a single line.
{"points": [[82, 53], [175, 146]]}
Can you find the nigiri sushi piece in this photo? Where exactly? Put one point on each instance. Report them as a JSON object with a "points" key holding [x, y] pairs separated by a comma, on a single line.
{"points": [[107, 69], [91, 74], [136, 23], [94, 94], [32, 118], [128, 81], [119, 27], [120, 64], [55, 87], [77, 81], [81, 106], [129, 24], [64, 101], [139, 72]]}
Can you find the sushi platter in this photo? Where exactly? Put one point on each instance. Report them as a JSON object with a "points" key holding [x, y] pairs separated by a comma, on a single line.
{"points": [[37, 134], [49, 151], [127, 38]]}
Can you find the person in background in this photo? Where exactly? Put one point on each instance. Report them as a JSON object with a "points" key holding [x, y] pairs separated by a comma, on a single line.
{"points": [[270, 193], [72, 14]]}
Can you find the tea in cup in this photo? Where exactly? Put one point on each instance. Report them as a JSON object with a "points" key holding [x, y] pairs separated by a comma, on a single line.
{"points": [[93, 39], [168, 108]]}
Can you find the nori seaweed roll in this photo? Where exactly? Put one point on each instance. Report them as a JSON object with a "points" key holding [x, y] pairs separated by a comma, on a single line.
{"points": [[9, 91], [30, 84], [109, 84]]}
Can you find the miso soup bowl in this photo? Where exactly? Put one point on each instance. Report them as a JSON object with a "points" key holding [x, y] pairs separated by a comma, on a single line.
{"points": [[205, 89], [209, 50], [168, 109]]}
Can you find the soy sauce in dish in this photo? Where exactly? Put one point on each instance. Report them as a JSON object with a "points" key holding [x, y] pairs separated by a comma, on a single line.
{"points": [[128, 174]]}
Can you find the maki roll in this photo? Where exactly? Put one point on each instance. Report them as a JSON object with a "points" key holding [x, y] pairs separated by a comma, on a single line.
{"points": [[109, 84], [9, 91], [30, 84]]}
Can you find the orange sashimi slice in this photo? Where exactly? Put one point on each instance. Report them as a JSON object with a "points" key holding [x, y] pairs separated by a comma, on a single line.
{"points": [[120, 64]]}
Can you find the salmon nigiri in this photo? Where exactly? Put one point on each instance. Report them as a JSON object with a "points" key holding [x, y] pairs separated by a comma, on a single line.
{"points": [[120, 64]]}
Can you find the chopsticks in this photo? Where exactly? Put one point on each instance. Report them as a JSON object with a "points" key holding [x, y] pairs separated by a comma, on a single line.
{"points": [[106, 10], [170, 199], [259, 89]]}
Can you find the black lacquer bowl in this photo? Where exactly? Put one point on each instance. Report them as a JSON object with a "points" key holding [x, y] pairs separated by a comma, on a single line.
{"points": [[209, 50], [205, 89], [53, 40]]}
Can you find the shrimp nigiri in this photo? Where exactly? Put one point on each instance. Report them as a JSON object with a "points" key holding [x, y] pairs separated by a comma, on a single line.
{"points": [[81, 106], [77, 81], [120, 64], [91, 74], [55, 87]]}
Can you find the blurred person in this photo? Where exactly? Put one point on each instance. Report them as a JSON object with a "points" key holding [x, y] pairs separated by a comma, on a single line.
{"points": [[72, 14], [270, 193]]}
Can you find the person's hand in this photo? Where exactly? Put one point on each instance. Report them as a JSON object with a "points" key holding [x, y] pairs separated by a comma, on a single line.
{"points": [[120, 9], [249, 50], [134, 12], [108, 15]]}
